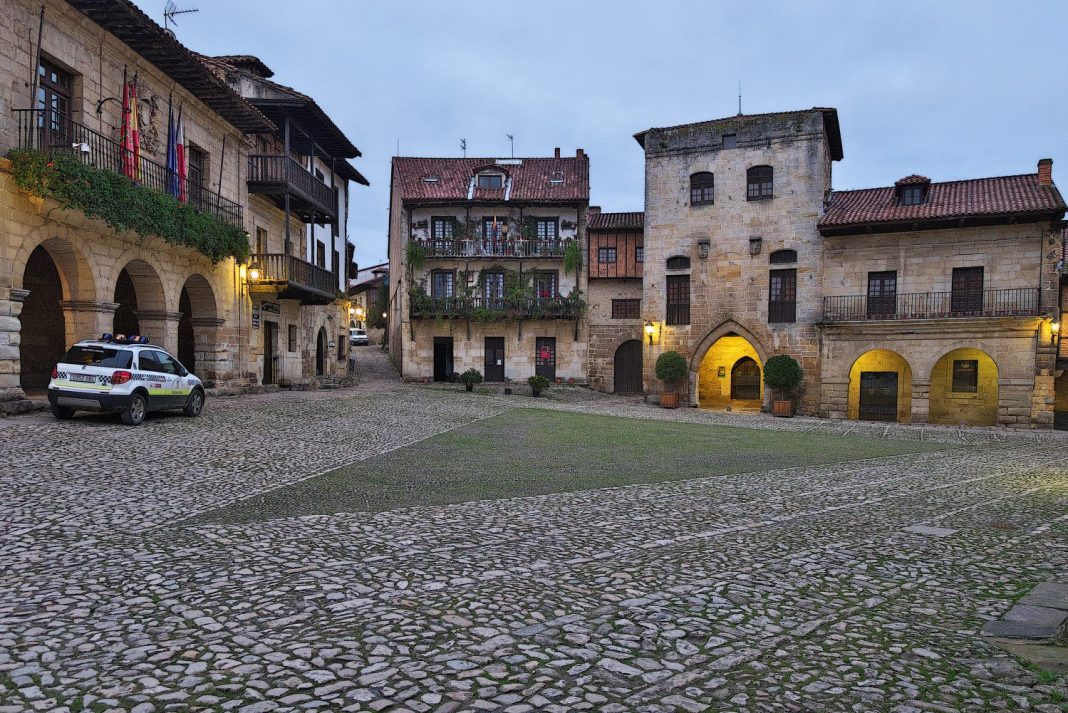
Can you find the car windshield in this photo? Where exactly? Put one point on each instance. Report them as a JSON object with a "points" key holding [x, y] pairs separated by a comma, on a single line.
{"points": [[99, 356]]}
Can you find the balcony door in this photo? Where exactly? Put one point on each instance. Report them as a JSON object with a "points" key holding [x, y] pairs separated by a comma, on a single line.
{"points": [[443, 367], [967, 296], [53, 98], [545, 357], [882, 294]]}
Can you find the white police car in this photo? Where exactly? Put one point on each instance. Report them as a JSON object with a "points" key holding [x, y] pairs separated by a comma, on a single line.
{"points": [[125, 374]]}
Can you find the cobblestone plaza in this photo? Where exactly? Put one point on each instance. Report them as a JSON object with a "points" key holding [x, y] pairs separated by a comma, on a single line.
{"points": [[792, 589]]}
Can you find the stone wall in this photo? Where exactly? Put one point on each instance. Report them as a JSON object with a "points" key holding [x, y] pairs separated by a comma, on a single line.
{"points": [[606, 333]]}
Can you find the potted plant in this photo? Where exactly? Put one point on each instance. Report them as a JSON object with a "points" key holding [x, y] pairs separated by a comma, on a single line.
{"points": [[538, 384], [471, 377], [671, 369], [782, 373]]}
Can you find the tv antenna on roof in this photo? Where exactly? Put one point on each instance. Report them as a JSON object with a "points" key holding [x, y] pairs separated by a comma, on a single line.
{"points": [[739, 97], [170, 10], [463, 146], [511, 141]]}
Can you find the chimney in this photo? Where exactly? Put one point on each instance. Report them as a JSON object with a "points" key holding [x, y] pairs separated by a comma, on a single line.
{"points": [[594, 210], [1045, 172], [556, 152], [579, 153]]}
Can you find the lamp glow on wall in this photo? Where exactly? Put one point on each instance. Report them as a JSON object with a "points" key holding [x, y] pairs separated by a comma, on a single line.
{"points": [[359, 313], [254, 272], [650, 331]]}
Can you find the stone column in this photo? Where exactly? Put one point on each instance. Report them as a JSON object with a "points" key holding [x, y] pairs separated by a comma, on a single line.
{"points": [[212, 355], [10, 339], [160, 327], [921, 401], [86, 319]]}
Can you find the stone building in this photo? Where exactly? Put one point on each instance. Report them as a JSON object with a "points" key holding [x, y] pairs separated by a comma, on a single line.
{"points": [[920, 302], [65, 276], [486, 266]]}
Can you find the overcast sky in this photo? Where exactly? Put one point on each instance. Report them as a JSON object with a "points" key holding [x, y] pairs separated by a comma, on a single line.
{"points": [[946, 89]]}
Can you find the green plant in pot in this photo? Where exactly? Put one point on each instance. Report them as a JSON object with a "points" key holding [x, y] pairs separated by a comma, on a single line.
{"points": [[471, 377], [782, 373], [538, 384], [672, 370]]}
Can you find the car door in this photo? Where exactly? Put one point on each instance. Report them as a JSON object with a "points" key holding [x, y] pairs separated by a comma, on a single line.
{"points": [[177, 385], [155, 379]]}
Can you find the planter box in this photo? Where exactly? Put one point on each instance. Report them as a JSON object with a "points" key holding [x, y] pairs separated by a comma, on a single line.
{"points": [[669, 400], [783, 409]]}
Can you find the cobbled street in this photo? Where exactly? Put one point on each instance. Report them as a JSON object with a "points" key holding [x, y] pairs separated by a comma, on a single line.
{"points": [[797, 589]]}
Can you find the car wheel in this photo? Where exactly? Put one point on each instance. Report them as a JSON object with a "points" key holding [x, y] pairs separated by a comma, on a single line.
{"points": [[195, 404], [134, 414], [63, 413]]}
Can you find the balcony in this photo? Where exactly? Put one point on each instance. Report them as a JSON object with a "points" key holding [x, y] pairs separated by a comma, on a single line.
{"points": [[493, 248], [962, 304], [275, 176], [292, 279], [51, 132], [496, 309]]}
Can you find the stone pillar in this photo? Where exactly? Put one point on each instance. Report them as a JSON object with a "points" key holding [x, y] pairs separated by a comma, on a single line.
{"points": [[921, 401], [213, 356], [86, 319], [160, 327], [10, 339]]}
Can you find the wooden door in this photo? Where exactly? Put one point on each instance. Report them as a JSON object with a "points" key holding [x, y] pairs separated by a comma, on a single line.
{"points": [[270, 333], [745, 380], [628, 368], [878, 396], [545, 357], [882, 294], [442, 358], [494, 366], [967, 296]]}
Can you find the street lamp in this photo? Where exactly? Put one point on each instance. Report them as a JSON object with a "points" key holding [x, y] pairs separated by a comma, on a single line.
{"points": [[254, 272], [359, 313]]}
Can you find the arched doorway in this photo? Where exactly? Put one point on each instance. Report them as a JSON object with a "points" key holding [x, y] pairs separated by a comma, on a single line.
{"points": [[964, 389], [320, 353], [880, 387], [43, 331], [627, 368], [138, 289], [197, 342], [731, 375]]}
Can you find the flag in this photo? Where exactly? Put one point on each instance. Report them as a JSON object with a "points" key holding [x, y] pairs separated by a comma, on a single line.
{"points": [[172, 153], [179, 155], [135, 133], [124, 132]]}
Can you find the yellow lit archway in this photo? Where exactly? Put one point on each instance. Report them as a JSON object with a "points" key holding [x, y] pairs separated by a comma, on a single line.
{"points": [[731, 359], [880, 387], [964, 389]]}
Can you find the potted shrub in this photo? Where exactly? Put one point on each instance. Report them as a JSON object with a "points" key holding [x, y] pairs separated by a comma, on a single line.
{"points": [[538, 384], [671, 369], [471, 377], [782, 373]]}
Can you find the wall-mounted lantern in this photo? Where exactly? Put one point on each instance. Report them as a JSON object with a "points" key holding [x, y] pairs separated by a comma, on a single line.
{"points": [[704, 247], [755, 243], [650, 331], [359, 313], [254, 272]]}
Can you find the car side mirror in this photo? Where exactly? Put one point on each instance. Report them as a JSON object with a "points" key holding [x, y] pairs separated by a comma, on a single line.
{"points": [[183, 372]]}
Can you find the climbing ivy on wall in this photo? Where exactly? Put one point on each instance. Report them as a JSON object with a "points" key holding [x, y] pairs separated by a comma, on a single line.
{"points": [[124, 205]]}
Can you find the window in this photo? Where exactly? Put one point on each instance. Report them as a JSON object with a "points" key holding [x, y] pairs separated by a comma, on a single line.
{"points": [[911, 195], [556, 178], [759, 183], [678, 299], [965, 376], [730, 141], [491, 227], [440, 228], [626, 309], [490, 180], [53, 94], [548, 228], [782, 296], [292, 346], [157, 362], [320, 253], [261, 240], [967, 295], [783, 257], [606, 255], [99, 356], [882, 293], [678, 262], [493, 285], [545, 285], [639, 254], [431, 179], [196, 165], [320, 176], [702, 190], [442, 283]]}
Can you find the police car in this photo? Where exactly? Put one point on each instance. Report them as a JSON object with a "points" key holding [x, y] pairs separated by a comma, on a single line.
{"points": [[125, 374]]}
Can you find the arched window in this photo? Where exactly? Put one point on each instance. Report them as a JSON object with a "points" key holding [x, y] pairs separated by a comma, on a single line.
{"points": [[783, 257], [679, 262], [702, 188], [759, 183]]}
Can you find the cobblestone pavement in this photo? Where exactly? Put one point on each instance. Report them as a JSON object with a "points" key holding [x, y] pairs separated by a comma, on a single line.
{"points": [[796, 590]]}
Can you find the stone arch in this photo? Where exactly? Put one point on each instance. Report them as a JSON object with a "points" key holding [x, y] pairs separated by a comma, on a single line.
{"points": [[880, 387], [198, 341], [56, 284], [731, 356], [141, 303], [322, 349], [969, 399]]}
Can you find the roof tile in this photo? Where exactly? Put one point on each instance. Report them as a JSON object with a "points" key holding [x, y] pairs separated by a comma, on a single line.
{"points": [[530, 179], [605, 222]]}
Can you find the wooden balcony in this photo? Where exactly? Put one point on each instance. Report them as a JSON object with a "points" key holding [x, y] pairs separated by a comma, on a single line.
{"points": [[505, 248], [291, 278], [276, 176], [962, 304]]}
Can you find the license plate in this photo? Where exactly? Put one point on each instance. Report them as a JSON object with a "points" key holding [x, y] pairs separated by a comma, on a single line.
{"points": [[83, 378]]}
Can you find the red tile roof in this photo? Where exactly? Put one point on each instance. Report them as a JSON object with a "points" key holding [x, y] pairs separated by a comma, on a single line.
{"points": [[913, 180], [607, 222], [530, 179], [1002, 196]]}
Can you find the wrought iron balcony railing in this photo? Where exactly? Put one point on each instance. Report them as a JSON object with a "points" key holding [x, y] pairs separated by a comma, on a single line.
{"points": [[1022, 301], [495, 308], [298, 279], [276, 175], [493, 248], [50, 131]]}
